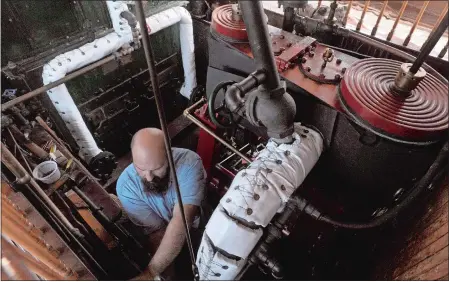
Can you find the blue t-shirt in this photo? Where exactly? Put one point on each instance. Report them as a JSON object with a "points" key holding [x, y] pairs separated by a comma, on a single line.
{"points": [[154, 211]]}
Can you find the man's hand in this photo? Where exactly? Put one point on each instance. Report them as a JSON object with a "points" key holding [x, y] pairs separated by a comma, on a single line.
{"points": [[173, 240], [146, 275]]}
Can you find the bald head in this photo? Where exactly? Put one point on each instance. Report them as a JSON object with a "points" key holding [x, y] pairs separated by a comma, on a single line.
{"points": [[148, 152]]}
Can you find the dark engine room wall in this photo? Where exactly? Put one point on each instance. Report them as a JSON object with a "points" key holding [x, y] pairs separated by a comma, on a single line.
{"points": [[116, 99]]}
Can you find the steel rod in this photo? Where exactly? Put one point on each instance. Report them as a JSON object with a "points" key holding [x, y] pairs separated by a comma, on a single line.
{"points": [[187, 113], [415, 24], [398, 18], [429, 45], [440, 18], [345, 19], [365, 8], [149, 56], [58, 82], [443, 51], [260, 42], [379, 18]]}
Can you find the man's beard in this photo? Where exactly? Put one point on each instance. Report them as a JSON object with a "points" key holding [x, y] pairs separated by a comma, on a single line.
{"points": [[157, 185]]}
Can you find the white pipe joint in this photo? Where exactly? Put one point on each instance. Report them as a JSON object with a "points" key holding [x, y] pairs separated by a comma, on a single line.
{"points": [[102, 47]]}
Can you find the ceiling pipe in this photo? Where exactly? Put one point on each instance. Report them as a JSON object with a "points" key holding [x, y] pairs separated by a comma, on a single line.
{"points": [[104, 46]]}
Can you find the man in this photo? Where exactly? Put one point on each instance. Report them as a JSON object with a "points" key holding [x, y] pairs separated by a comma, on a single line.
{"points": [[147, 193]]}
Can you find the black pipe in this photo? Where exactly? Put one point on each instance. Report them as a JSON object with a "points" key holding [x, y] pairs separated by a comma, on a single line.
{"points": [[149, 56], [432, 175], [429, 45], [289, 19], [236, 92], [259, 40]]}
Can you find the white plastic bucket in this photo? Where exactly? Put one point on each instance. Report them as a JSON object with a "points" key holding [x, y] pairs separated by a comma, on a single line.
{"points": [[47, 172]]}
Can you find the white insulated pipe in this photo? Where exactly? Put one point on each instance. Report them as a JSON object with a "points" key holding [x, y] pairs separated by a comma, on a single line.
{"points": [[102, 47]]}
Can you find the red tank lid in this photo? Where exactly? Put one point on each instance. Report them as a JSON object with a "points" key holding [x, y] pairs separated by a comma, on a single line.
{"points": [[365, 93], [224, 24]]}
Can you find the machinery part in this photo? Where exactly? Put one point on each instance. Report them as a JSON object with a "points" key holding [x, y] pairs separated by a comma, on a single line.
{"points": [[256, 194], [393, 51], [406, 81], [270, 106], [276, 114], [432, 175], [365, 94], [124, 238], [235, 94], [443, 51], [289, 16], [95, 191], [19, 171], [322, 67], [58, 82], [289, 12], [187, 113], [227, 26], [398, 18], [259, 40], [103, 165], [149, 56], [132, 22], [213, 112]]}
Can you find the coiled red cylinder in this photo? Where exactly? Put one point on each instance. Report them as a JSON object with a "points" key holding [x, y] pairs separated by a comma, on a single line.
{"points": [[366, 94]]}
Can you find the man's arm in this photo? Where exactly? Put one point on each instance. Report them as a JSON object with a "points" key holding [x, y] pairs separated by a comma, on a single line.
{"points": [[173, 240]]}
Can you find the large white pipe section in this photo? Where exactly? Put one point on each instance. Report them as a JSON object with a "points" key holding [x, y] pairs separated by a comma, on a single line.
{"points": [[255, 195], [102, 47]]}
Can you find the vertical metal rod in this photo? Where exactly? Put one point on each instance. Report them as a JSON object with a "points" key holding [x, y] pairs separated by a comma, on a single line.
{"points": [[398, 18], [259, 40], [381, 14], [440, 18], [443, 51], [345, 19], [429, 45], [415, 24], [149, 56], [359, 25]]}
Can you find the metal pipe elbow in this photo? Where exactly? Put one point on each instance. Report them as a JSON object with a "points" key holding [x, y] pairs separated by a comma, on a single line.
{"points": [[233, 98], [130, 17]]}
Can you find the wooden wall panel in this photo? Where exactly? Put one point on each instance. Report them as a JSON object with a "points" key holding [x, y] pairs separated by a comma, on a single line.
{"points": [[425, 252]]}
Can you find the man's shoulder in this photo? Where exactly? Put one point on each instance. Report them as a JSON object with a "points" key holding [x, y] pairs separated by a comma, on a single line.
{"points": [[183, 156], [126, 178]]}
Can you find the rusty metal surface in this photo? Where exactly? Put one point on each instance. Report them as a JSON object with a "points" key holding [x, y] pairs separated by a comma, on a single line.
{"points": [[47, 234], [325, 92]]}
